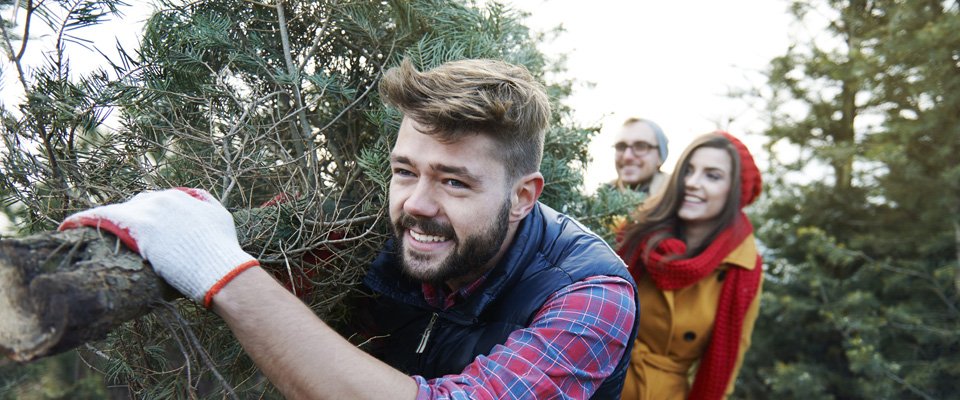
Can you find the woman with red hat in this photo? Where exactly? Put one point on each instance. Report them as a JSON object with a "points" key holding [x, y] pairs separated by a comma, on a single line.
{"points": [[692, 252]]}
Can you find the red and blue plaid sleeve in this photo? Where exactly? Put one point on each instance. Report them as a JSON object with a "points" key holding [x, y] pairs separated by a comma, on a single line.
{"points": [[573, 344]]}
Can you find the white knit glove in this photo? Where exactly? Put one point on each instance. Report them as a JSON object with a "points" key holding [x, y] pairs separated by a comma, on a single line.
{"points": [[186, 235]]}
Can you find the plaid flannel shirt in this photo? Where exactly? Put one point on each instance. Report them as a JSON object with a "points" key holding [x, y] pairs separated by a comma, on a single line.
{"points": [[572, 345]]}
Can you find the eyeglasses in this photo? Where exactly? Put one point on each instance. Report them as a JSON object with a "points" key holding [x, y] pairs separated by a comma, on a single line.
{"points": [[639, 148]]}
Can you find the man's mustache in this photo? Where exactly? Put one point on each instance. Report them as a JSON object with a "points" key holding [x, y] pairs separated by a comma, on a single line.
{"points": [[427, 226]]}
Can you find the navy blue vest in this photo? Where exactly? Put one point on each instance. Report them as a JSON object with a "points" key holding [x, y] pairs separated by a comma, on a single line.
{"points": [[550, 251]]}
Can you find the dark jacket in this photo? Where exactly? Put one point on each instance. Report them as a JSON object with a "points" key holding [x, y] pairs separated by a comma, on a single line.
{"points": [[550, 251]]}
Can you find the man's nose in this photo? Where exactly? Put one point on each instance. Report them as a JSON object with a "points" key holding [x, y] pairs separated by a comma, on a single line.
{"points": [[422, 201]]}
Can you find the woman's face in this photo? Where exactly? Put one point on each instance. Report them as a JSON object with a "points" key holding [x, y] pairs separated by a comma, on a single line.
{"points": [[706, 185]]}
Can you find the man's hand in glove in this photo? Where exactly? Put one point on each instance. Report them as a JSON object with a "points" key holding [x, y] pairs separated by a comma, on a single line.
{"points": [[186, 234]]}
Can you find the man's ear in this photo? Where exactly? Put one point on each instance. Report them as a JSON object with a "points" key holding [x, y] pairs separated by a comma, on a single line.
{"points": [[525, 194]]}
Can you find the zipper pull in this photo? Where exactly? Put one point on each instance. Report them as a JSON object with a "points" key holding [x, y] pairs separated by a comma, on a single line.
{"points": [[426, 334]]}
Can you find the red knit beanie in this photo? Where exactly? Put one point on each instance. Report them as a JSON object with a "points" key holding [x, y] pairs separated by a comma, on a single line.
{"points": [[750, 182]]}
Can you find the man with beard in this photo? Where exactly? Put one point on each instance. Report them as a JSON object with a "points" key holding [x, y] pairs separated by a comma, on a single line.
{"points": [[482, 293]]}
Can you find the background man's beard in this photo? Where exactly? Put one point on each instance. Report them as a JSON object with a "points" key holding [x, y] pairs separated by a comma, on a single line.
{"points": [[468, 256]]}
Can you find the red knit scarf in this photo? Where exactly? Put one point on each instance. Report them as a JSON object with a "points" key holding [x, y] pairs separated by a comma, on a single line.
{"points": [[739, 289]]}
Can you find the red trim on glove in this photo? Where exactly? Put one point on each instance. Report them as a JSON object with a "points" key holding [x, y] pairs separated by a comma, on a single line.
{"points": [[208, 299], [198, 194], [105, 224]]}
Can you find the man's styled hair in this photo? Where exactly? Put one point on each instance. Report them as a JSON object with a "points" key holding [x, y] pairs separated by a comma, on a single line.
{"points": [[469, 97]]}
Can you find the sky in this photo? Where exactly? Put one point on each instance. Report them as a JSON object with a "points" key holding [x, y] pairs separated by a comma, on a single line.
{"points": [[672, 62]]}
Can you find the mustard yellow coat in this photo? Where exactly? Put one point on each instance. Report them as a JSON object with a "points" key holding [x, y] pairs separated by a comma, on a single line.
{"points": [[675, 329]]}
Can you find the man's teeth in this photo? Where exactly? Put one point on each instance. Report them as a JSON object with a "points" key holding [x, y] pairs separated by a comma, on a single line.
{"points": [[426, 238]]}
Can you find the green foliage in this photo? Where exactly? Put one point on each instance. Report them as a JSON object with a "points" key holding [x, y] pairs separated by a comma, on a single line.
{"points": [[606, 211], [56, 113], [65, 376], [863, 268], [258, 105]]}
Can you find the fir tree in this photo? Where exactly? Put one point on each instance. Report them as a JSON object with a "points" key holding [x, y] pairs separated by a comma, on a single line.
{"points": [[861, 298]]}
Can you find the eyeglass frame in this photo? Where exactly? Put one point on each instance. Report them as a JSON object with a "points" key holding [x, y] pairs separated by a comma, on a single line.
{"points": [[639, 147]]}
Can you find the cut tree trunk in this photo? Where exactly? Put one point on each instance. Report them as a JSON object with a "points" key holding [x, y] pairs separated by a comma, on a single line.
{"points": [[59, 290]]}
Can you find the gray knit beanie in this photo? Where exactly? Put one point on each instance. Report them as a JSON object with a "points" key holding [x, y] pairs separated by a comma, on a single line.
{"points": [[661, 138]]}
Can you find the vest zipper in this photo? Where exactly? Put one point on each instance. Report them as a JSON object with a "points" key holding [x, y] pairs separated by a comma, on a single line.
{"points": [[426, 334]]}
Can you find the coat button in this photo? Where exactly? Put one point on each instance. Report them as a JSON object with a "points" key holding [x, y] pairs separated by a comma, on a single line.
{"points": [[721, 275], [689, 336]]}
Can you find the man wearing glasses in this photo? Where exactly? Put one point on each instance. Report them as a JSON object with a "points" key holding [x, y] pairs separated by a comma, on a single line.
{"points": [[641, 148]]}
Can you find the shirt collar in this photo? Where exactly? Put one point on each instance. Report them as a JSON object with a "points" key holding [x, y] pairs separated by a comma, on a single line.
{"points": [[439, 296]]}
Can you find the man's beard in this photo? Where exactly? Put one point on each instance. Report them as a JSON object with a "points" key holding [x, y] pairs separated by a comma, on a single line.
{"points": [[469, 255]]}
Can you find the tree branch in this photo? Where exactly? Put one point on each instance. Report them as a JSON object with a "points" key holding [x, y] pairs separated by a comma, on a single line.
{"points": [[306, 135], [59, 290]]}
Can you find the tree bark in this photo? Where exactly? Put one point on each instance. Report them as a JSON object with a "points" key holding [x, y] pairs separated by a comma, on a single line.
{"points": [[59, 290]]}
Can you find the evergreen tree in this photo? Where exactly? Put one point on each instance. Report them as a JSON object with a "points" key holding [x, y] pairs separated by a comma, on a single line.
{"points": [[861, 298], [273, 108]]}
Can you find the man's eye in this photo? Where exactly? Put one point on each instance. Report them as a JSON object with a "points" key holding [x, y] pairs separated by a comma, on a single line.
{"points": [[402, 172], [457, 184]]}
